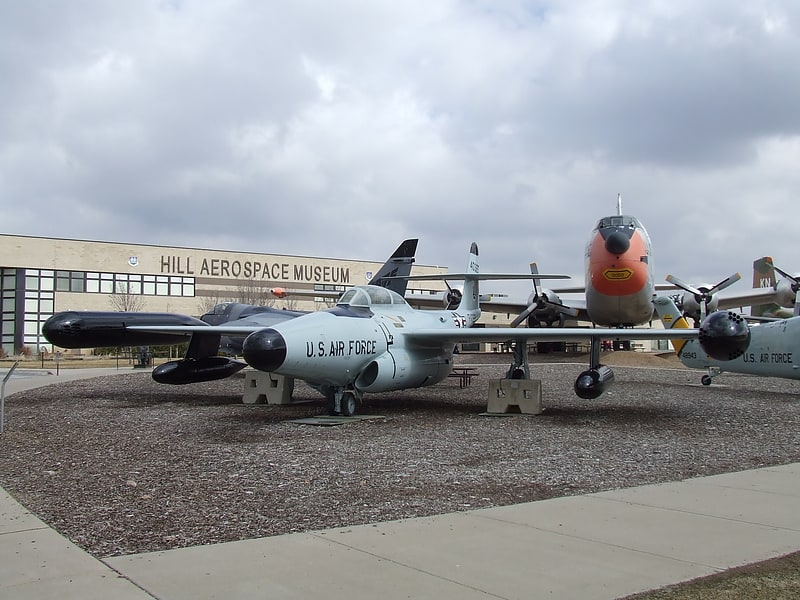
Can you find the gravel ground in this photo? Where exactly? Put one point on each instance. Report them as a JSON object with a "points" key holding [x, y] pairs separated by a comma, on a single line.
{"points": [[124, 465]]}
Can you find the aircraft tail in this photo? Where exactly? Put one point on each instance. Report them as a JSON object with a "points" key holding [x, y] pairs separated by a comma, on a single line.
{"points": [[764, 277], [470, 299], [671, 318], [392, 275]]}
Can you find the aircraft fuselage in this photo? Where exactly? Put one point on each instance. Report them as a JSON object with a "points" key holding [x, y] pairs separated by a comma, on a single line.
{"points": [[619, 280], [366, 350], [774, 351]]}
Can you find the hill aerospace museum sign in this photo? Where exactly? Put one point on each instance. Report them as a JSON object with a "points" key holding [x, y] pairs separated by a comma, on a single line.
{"points": [[253, 269]]}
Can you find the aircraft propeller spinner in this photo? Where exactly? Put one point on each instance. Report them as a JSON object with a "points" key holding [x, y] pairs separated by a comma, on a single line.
{"points": [[702, 301], [541, 302], [452, 297]]}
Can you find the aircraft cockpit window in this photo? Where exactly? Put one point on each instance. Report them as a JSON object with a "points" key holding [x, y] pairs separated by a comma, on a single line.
{"points": [[370, 296], [354, 297], [219, 309], [379, 295], [618, 221]]}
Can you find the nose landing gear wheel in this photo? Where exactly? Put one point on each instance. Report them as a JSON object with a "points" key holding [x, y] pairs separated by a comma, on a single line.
{"points": [[347, 405]]}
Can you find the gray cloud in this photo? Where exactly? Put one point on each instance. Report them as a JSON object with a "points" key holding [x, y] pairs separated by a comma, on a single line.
{"points": [[338, 128]]}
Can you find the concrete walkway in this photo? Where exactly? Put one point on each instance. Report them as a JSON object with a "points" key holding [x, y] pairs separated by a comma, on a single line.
{"points": [[27, 378], [603, 545]]}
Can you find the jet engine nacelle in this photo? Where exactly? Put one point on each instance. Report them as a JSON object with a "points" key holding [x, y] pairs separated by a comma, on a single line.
{"points": [[396, 371], [195, 370], [724, 335], [593, 382], [74, 329]]}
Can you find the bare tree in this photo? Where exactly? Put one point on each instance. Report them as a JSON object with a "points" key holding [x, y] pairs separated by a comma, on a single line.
{"points": [[124, 300], [253, 291], [207, 302], [321, 303]]}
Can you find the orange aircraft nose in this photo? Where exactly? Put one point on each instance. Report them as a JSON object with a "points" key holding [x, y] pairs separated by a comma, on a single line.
{"points": [[616, 266]]}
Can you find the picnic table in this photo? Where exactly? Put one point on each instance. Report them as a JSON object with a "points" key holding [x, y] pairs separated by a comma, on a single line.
{"points": [[464, 375]]}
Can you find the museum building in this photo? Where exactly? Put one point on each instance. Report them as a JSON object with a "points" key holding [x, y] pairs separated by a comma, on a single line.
{"points": [[41, 276]]}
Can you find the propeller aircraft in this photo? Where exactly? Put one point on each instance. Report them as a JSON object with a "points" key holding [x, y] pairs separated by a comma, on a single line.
{"points": [[619, 283], [781, 300]]}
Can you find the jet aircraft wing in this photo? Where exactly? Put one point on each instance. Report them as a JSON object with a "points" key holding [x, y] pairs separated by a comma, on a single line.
{"points": [[232, 330], [499, 334], [472, 334]]}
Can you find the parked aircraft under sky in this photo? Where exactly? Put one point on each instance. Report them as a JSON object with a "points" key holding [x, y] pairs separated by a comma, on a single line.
{"points": [[373, 341], [619, 287]]}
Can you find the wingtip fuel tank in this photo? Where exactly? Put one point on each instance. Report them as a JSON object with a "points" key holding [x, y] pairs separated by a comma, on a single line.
{"points": [[77, 329]]}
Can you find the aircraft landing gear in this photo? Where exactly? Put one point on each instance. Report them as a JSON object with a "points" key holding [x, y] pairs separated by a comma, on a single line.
{"points": [[343, 403], [520, 368], [708, 378]]}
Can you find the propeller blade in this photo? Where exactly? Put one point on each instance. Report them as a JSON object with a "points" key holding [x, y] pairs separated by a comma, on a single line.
{"points": [[795, 281], [523, 315], [566, 310], [683, 285], [725, 283]]}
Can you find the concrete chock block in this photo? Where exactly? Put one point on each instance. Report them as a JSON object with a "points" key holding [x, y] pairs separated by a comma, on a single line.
{"points": [[510, 396], [261, 387]]}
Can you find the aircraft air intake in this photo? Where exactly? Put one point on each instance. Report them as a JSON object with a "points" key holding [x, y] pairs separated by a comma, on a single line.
{"points": [[264, 350]]}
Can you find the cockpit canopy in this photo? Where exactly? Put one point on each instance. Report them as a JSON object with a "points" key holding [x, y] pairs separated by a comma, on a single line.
{"points": [[618, 221], [367, 296]]}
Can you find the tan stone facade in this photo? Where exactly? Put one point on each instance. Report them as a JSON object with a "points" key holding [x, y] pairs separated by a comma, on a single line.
{"points": [[42, 276]]}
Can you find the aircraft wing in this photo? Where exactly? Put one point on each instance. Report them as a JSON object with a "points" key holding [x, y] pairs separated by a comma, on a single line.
{"points": [[752, 297], [502, 304], [544, 334], [232, 330], [464, 334]]}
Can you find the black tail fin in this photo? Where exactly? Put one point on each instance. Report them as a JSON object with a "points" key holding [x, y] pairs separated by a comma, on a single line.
{"points": [[398, 265]]}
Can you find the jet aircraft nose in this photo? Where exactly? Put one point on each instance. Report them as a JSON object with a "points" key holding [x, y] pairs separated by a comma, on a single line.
{"points": [[264, 350], [618, 243]]}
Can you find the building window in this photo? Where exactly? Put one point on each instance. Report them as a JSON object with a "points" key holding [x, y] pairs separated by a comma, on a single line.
{"points": [[111, 283]]}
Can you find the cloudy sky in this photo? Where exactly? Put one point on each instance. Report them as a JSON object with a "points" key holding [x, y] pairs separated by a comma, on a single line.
{"points": [[340, 128]]}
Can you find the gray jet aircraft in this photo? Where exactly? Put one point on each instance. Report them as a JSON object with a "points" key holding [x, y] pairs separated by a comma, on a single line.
{"points": [[90, 329]]}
